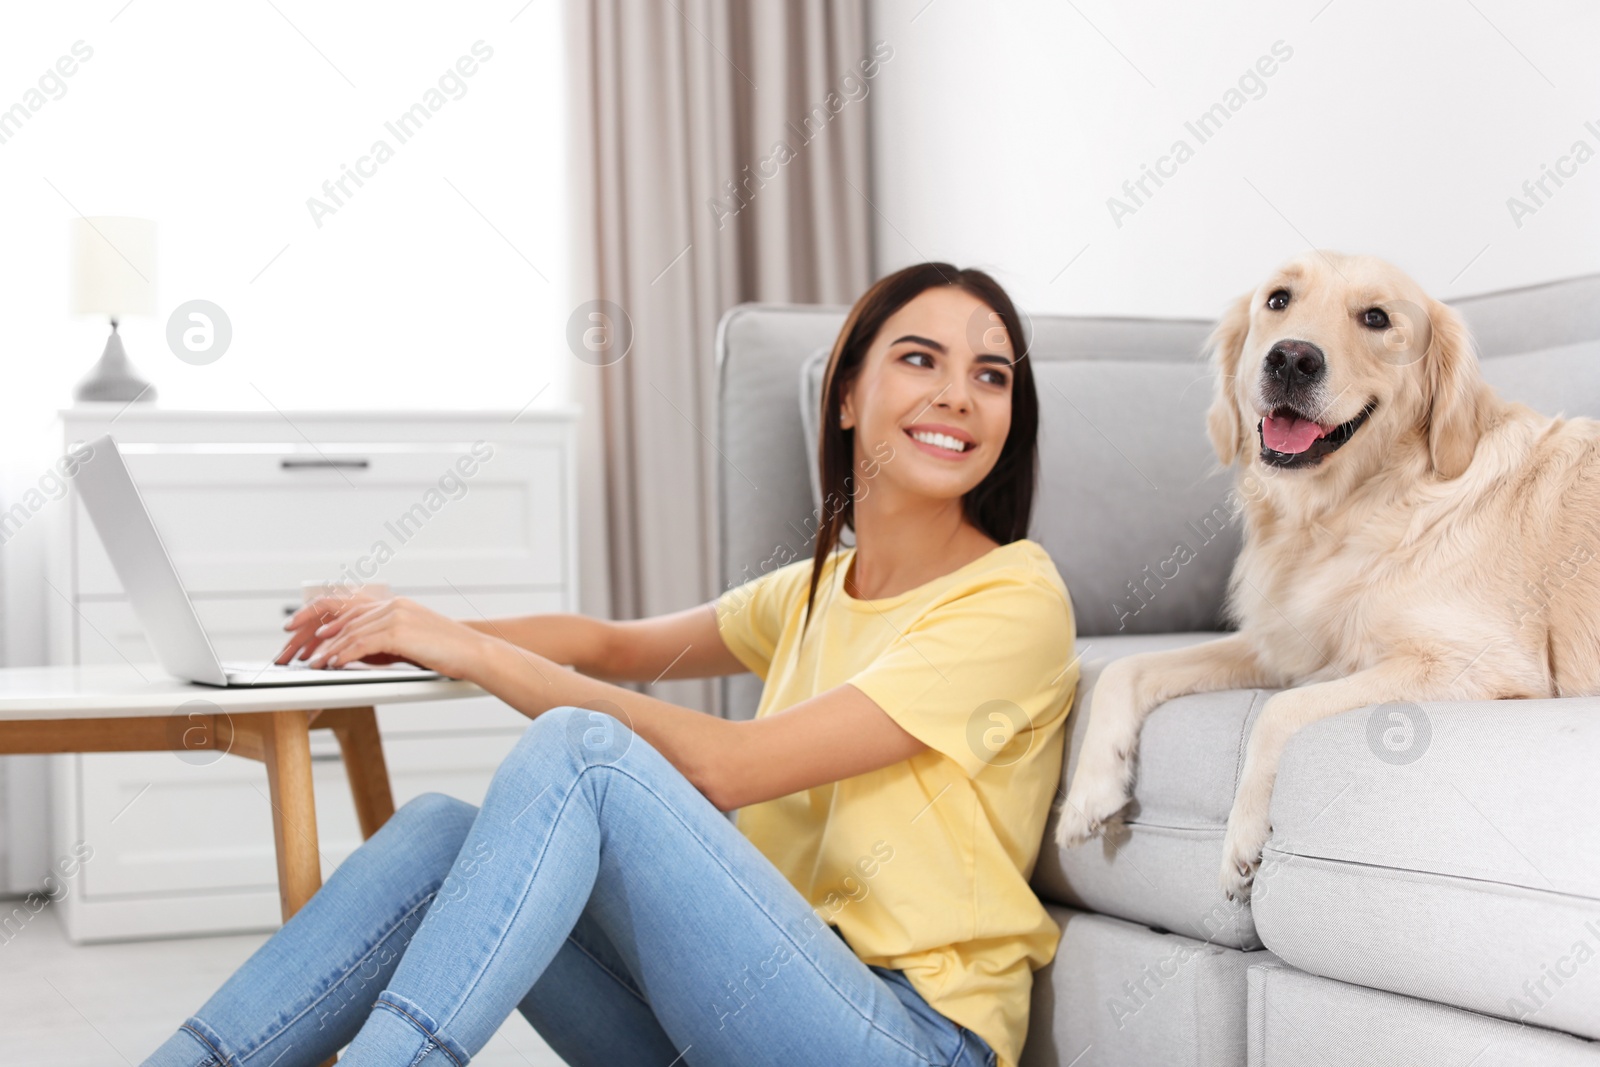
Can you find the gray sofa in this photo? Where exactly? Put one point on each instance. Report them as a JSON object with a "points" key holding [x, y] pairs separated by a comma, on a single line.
{"points": [[1427, 897]]}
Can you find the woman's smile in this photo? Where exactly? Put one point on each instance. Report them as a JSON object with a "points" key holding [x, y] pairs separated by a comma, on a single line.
{"points": [[937, 439]]}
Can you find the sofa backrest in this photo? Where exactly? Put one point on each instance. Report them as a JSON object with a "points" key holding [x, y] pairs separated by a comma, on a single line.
{"points": [[1132, 505]]}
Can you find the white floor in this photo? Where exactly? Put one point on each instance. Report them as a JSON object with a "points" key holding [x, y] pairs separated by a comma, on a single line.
{"points": [[71, 1005]]}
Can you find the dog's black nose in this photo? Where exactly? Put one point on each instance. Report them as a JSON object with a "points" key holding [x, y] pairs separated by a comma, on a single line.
{"points": [[1295, 362]]}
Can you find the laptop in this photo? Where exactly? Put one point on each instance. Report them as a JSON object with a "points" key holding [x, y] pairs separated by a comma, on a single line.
{"points": [[163, 607]]}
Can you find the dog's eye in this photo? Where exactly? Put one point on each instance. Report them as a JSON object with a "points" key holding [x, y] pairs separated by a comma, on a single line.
{"points": [[1375, 319], [1278, 300]]}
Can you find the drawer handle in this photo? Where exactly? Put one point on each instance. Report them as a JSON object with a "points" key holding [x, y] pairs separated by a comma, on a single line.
{"points": [[322, 463], [325, 757]]}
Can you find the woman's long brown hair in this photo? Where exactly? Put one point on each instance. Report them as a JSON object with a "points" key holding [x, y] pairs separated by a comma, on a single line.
{"points": [[1002, 503]]}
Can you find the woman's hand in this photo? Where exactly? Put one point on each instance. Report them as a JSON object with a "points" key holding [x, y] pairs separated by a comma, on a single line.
{"points": [[382, 631], [308, 622]]}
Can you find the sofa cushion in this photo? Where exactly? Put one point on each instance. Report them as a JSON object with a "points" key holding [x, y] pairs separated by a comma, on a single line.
{"points": [[1533, 317], [1131, 504], [1163, 871], [765, 514], [1563, 380], [1448, 851], [811, 372], [1297, 1019], [1141, 519], [1120, 993]]}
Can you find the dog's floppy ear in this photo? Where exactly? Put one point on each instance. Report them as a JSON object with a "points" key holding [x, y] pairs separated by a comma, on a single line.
{"points": [[1456, 397], [1225, 347]]}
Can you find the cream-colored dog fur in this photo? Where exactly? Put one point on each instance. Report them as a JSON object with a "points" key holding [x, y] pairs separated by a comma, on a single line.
{"points": [[1446, 551]]}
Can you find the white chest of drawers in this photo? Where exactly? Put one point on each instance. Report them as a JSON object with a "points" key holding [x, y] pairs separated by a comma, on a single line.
{"points": [[250, 505]]}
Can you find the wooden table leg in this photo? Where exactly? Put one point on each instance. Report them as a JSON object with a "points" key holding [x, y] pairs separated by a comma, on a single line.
{"points": [[362, 749], [286, 750]]}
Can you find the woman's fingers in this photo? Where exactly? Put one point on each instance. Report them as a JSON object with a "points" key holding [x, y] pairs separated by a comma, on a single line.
{"points": [[385, 631], [355, 648], [304, 641], [362, 629], [319, 620], [400, 629]]}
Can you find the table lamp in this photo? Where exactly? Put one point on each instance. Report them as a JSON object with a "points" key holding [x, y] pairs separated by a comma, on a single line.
{"points": [[114, 275]]}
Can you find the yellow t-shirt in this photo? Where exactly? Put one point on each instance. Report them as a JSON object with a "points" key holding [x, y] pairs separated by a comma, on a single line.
{"points": [[924, 865]]}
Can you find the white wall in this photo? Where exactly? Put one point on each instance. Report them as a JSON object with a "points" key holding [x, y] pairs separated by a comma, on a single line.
{"points": [[1397, 129]]}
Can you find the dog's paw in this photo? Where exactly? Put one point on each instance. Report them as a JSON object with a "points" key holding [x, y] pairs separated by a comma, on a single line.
{"points": [[1091, 805], [1241, 855], [1237, 878]]}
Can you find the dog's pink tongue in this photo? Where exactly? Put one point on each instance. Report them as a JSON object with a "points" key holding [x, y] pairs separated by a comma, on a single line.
{"points": [[1290, 435]]}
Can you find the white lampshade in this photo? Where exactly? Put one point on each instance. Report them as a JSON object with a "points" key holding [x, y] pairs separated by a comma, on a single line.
{"points": [[113, 266]]}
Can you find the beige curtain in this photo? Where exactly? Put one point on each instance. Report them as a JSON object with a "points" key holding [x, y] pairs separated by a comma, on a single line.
{"points": [[719, 154]]}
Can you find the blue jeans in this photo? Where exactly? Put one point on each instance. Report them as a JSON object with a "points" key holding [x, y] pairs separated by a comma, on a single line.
{"points": [[596, 891]]}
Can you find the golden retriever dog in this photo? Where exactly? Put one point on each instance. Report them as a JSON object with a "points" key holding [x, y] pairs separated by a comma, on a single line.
{"points": [[1408, 536]]}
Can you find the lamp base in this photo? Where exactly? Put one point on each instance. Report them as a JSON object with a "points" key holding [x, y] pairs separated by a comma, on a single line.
{"points": [[112, 378]]}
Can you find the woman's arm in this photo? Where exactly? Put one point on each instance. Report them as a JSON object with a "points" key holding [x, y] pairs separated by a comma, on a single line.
{"points": [[683, 644], [832, 736], [575, 640], [835, 735]]}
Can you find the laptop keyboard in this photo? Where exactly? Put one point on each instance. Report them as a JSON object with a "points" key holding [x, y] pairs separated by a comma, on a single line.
{"points": [[274, 668]]}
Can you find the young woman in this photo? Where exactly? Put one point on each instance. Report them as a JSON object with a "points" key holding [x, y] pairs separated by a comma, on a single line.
{"points": [[870, 906]]}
